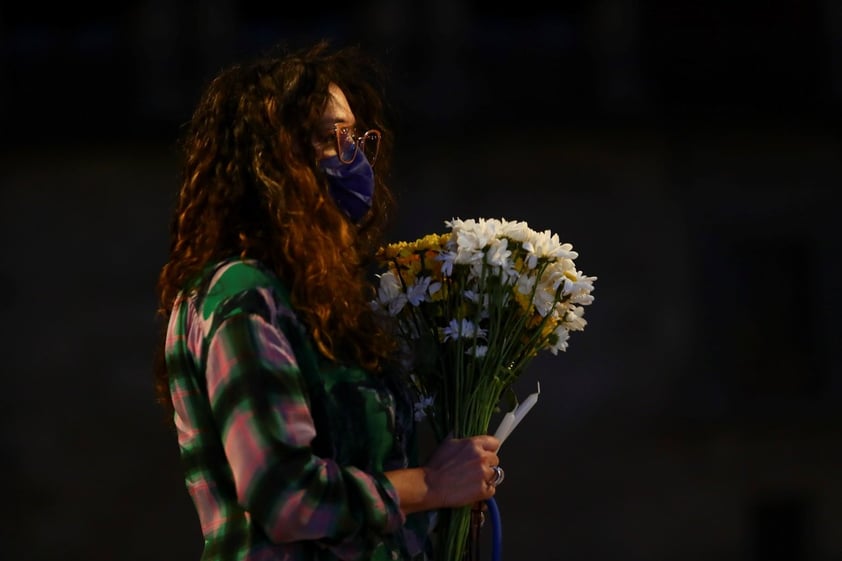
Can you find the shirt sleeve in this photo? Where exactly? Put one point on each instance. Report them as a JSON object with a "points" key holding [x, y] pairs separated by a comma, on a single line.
{"points": [[259, 402]]}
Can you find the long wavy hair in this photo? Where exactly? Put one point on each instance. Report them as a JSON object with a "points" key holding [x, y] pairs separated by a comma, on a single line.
{"points": [[251, 187]]}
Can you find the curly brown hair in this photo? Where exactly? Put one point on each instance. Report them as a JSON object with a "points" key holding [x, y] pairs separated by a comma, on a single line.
{"points": [[251, 187]]}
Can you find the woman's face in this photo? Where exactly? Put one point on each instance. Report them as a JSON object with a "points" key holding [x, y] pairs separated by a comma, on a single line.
{"points": [[337, 113]]}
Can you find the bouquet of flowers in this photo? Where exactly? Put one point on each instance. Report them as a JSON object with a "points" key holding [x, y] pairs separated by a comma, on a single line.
{"points": [[474, 306]]}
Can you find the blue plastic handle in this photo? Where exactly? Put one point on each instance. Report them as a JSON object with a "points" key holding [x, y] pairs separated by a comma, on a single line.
{"points": [[496, 530]]}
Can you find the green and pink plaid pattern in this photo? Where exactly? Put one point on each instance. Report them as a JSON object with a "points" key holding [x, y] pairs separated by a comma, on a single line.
{"points": [[283, 451]]}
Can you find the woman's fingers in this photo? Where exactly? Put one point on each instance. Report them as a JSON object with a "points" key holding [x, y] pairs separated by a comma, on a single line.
{"points": [[488, 442], [464, 470]]}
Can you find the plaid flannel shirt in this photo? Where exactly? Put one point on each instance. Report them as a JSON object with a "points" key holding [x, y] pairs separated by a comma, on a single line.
{"points": [[283, 450]]}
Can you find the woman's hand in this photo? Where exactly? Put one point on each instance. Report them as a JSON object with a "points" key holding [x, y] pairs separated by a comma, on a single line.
{"points": [[458, 473], [460, 470]]}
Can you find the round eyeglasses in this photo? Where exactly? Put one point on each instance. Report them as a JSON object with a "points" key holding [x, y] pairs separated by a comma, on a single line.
{"points": [[348, 143]]}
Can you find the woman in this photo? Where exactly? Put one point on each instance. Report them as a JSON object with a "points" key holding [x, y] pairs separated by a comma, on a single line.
{"points": [[295, 433]]}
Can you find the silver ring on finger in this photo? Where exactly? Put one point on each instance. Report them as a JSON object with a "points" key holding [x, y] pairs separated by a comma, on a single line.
{"points": [[499, 476]]}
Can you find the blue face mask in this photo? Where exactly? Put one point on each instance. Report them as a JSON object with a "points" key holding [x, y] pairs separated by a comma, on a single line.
{"points": [[351, 185]]}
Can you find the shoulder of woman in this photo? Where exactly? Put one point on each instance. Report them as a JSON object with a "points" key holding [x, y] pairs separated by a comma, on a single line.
{"points": [[241, 285]]}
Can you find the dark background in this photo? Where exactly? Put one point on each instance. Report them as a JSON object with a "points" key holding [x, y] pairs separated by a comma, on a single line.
{"points": [[690, 151]]}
